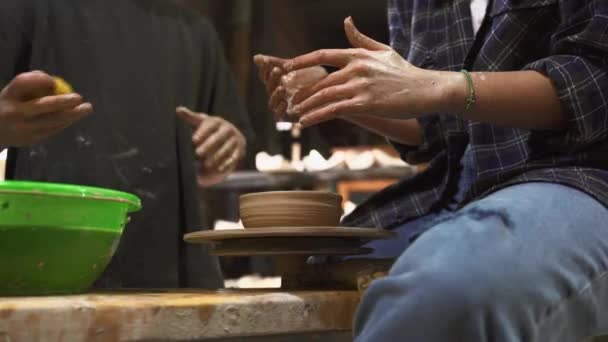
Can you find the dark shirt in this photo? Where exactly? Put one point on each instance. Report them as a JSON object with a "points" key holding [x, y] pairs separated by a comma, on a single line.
{"points": [[566, 40], [135, 61]]}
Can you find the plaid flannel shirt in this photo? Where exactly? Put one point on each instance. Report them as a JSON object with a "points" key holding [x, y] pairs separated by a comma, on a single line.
{"points": [[566, 40]]}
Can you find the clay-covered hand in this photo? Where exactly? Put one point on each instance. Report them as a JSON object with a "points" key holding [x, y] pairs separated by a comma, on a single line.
{"points": [[281, 86], [30, 112], [219, 146], [373, 80]]}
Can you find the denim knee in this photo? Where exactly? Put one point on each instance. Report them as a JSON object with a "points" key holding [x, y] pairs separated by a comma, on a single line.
{"points": [[430, 299]]}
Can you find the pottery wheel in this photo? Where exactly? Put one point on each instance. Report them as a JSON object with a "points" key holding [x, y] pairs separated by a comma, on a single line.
{"points": [[288, 246], [214, 236]]}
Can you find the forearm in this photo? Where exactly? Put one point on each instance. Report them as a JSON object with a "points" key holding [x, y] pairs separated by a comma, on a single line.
{"points": [[407, 132], [519, 99]]}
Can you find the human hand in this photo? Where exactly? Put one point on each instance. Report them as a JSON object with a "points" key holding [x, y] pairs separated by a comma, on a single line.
{"points": [[373, 80], [219, 145], [281, 86], [30, 110]]}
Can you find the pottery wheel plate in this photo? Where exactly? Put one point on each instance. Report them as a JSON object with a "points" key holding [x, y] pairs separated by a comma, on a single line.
{"points": [[212, 236], [288, 246]]}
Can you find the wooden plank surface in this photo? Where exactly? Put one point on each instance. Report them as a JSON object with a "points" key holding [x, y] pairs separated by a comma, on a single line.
{"points": [[173, 316]]}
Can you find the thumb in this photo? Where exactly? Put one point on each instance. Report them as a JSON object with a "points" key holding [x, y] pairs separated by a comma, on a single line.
{"points": [[359, 40], [189, 116], [266, 64], [30, 85], [268, 61]]}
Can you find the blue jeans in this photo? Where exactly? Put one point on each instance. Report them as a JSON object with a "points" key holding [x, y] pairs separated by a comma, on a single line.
{"points": [[528, 263]]}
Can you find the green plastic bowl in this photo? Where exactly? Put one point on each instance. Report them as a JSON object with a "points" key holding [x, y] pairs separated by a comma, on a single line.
{"points": [[58, 238]]}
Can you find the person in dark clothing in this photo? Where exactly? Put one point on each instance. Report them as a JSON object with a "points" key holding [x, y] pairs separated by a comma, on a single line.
{"points": [[154, 76]]}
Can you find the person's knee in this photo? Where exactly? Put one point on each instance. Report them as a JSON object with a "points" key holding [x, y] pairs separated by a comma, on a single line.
{"points": [[459, 292], [431, 297]]}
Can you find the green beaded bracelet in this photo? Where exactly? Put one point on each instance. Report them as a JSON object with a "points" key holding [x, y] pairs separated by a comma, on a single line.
{"points": [[472, 98]]}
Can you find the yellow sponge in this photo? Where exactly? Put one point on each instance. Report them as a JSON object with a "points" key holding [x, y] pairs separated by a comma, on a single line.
{"points": [[62, 87]]}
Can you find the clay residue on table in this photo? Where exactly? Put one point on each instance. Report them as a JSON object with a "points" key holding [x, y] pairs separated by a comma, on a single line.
{"points": [[6, 311], [176, 316]]}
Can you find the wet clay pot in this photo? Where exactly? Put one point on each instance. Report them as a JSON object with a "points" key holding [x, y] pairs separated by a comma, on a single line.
{"points": [[290, 209]]}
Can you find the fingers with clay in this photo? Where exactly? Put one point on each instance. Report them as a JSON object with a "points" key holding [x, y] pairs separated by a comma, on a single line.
{"points": [[266, 65], [209, 149], [219, 145], [228, 155], [281, 86], [278, 103], [270, 72], [206, 135], [372, 79], [331, 88]]}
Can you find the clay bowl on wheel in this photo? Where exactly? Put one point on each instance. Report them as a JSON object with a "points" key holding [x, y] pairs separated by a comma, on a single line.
{"points": [[290, 209]]}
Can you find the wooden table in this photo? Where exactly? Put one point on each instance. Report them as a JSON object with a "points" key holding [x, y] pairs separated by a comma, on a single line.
{"points": [[177, 316]]}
